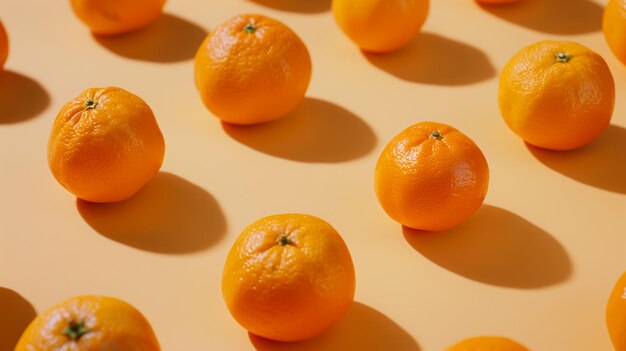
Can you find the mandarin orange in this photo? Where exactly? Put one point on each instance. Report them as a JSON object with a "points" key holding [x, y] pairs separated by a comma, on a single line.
{"points": [[252, 69], [89, 323], [288, 277], [614, 27], [557, 95], [105, 145], [431, 177], [380, 25], [487, 343], [616, 314], [4, 46], [110, 17]]}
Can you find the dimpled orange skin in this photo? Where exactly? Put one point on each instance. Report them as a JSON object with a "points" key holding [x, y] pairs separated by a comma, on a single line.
{"points": [[487, 343], [108, 324], [108, 152], [614, 27], [110, 17], [431, 182], [4, 46], [252, 69], [380, 25], [557, 103], [616, 314], [288, 277]]}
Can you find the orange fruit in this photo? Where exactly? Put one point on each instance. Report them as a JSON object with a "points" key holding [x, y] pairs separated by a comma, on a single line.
{"points": [[616, 314], [614, 27], [487, 343], [288, 277], [252, 69], [4, 46], [380, 25], [89, 323], [431, 177], [110, 17], [557, 95], [105, 145]]}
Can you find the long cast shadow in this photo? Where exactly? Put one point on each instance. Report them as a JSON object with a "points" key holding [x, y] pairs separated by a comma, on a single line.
{"points": [[302, 6], [318, 131], [496, 247], [601, 164], [169, 39], [16, 313], [434, 59], [21, 98], [169, 215], [362, 328], [552, 16]]}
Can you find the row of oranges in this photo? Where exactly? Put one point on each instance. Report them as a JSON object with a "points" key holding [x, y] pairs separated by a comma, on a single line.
{"points": [[289, 277]]}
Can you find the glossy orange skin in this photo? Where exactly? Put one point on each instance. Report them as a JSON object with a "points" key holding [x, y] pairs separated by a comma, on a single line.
{"points": [[380, 25], [614, 27], [112, 324], [431, 184], [616, 314], [107, 153], [291, 292], [557, 105], [4, 46], [248, 78], [487, 343], [110, 17]]}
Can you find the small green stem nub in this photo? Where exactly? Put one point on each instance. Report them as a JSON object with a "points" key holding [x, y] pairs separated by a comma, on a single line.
{"points": [[563, 57], [436, 135], [250, 28], [283, 240], [75, 330], [89, 104]]}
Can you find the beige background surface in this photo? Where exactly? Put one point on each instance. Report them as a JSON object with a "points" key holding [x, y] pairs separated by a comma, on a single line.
{"points": [[536, 263]]}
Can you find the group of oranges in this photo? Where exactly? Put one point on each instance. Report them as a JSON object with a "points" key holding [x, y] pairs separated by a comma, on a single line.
{"points": [[289, 277]]}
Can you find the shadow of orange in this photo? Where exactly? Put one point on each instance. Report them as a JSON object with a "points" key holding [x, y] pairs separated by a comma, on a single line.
{"points": [[362, 328], [169, 39], [21, 98], [496, 247], [552, 16], [169, 215], [15, 315], [303, 6], [318, 131], [601, 164], [433, 59]]}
